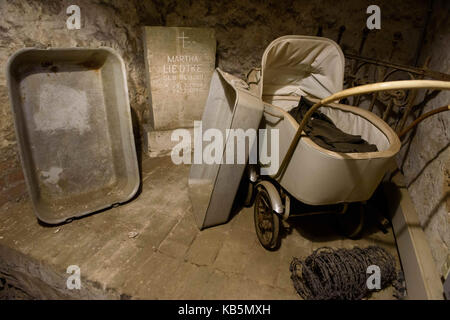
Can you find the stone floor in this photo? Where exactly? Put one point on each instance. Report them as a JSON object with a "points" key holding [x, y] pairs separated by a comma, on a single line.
{"points": [[150, 248]]}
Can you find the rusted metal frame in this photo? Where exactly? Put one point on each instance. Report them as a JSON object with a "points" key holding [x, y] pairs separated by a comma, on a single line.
{"points": [[423, 117], [410, 97], [419, 71], [357, 68], [375, 94], [388, 110], [411, 100]]}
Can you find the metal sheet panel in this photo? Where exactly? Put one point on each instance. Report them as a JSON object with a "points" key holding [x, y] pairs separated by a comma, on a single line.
{"points": [[213, 187]]}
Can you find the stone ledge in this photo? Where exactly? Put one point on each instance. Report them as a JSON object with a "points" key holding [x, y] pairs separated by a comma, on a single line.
{"points": [[159, 143], [39, 281]]}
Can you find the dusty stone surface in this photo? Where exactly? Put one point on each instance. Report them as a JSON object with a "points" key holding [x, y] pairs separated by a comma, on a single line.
{"points": [[167, 257], [159, 143]]}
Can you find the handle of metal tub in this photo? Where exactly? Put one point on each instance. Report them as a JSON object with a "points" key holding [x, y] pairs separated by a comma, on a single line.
{"points": [[368, 88]]}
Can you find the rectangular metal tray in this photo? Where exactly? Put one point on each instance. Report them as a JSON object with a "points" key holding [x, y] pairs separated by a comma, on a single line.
{"points": [[73, 126]]}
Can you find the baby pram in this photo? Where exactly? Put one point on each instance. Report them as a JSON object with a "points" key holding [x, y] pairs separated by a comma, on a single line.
{"points": [[294, 68], [324, 181]]}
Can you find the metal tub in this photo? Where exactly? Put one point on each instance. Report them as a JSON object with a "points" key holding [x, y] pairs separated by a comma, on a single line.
{"points": [[73, 126], [213, 187]]}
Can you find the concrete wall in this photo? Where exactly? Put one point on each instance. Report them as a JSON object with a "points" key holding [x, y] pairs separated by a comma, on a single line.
{"points": [[243, 30], [426, 165]]}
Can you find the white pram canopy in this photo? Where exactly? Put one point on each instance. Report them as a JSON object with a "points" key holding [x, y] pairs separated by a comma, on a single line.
{"points": [[302, 66]]}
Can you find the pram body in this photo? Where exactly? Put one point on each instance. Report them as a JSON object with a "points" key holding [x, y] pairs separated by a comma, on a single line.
{"points": [[317, 176]]}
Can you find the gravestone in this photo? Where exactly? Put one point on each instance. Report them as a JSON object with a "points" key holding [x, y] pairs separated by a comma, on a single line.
{"points": [[179, 63]]}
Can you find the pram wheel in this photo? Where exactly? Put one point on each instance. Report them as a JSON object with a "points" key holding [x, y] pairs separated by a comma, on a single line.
{"points": [[352, 221], [267, 222]]}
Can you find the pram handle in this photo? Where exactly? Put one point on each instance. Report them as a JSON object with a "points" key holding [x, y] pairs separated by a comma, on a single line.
{"points": [[368, 88]]}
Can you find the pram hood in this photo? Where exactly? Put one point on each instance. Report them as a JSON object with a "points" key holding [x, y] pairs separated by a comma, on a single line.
{"points": [[302, 65]]}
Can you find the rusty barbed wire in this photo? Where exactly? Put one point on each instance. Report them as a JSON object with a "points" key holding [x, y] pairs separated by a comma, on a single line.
{"points": [[340, 274]]}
